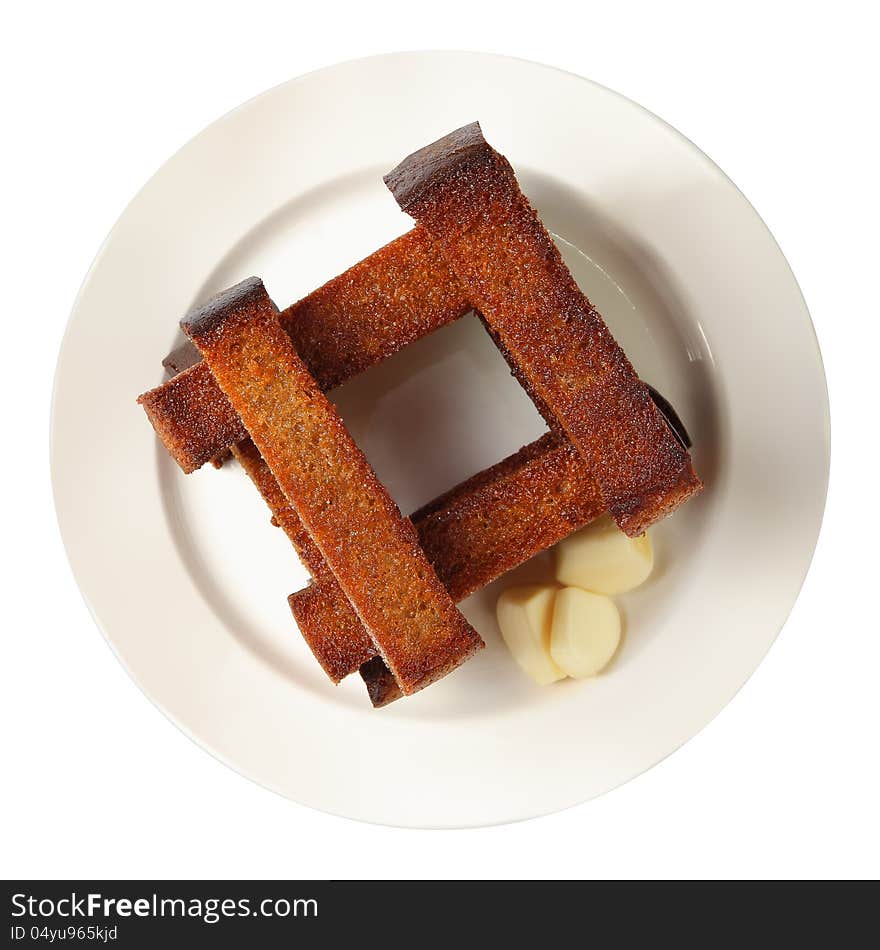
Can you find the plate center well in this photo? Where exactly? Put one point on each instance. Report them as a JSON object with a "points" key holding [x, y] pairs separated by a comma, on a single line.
{"points": [[433, 414]]}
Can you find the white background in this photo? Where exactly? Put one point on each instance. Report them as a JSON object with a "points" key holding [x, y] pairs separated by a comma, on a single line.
{"points": [[97, 782]]}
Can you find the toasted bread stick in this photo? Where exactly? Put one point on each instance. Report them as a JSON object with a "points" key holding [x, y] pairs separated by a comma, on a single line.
{"points": [[395, 296], [506, 514], [466, 196], [332, 630], [473, 534], [370, 548]]}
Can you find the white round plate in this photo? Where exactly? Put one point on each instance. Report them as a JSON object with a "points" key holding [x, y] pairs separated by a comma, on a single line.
{"points": [[187, 578]]}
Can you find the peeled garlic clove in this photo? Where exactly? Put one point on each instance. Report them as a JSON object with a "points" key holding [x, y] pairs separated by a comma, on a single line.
{"points": [[601, 558], [585, 631], [524, 616]]}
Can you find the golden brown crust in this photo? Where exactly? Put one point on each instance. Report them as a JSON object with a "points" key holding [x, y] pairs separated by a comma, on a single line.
{"points": [[502, 517], [400, 293], [472, 535], [466, 196], [332, 629], [372, 550], [397, 295], [192, 417]]}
